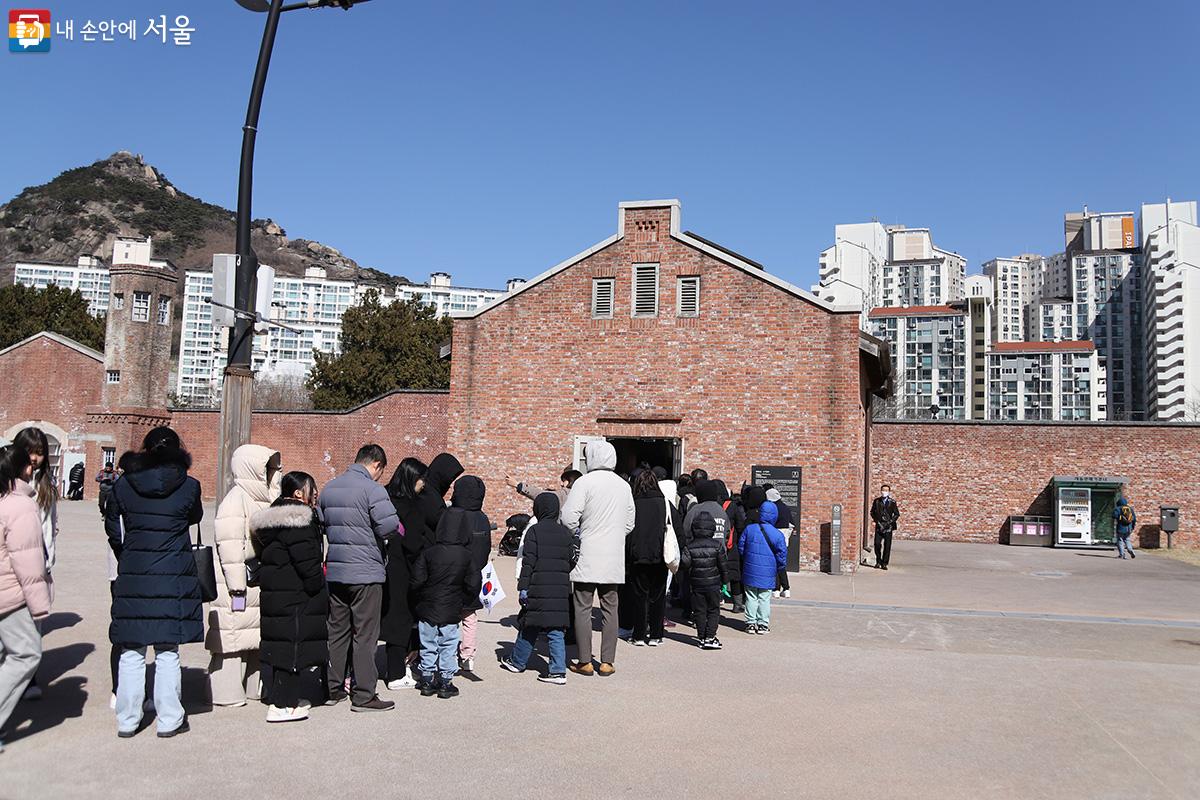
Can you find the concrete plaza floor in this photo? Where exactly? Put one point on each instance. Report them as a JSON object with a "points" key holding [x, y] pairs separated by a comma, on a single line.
{"points": [[909, 683]]}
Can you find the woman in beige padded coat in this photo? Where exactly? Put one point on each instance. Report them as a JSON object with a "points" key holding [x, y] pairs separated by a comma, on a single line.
{"points": [[233, 635]]}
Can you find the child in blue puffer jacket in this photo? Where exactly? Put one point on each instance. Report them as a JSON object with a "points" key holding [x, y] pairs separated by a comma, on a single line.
{"points": [[764, 552]]}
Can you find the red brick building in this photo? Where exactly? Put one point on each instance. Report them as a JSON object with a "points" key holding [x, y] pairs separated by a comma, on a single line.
{"points": [[50, 383], [682, 353]]}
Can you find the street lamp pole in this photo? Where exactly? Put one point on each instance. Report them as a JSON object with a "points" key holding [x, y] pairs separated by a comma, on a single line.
{"points": [[237, 395]]}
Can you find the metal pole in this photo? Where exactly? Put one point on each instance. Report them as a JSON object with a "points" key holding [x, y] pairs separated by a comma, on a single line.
{"points": [[237, 392]]}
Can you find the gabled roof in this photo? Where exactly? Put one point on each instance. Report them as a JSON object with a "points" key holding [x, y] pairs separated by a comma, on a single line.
{"points": [[717, 252], [59, 339]]}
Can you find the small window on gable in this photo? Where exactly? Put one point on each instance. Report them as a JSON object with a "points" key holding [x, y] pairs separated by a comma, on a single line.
{"points": [[645, 290], [687, 298], [603, 290]]}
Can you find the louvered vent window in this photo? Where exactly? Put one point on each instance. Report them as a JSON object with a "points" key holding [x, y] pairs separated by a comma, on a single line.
{"points": [[688, 299], [602, 297], [645, 290]]}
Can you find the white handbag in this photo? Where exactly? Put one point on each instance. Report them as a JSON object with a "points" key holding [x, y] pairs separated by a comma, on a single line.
{"points": [[670, 544]]}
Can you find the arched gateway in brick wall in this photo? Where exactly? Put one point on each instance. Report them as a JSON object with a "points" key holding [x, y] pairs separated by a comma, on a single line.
{"points": [[682, 353]]}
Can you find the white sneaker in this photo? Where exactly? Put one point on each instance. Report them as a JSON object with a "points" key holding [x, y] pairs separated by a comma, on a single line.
{"points": [[467, 665], [787, 592], [112, 703], [775, 593], [401, 683], [277, 714], [32, 692]]}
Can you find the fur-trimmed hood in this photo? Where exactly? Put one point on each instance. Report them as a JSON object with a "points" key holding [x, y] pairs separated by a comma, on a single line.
{"points": [[286, 514]]}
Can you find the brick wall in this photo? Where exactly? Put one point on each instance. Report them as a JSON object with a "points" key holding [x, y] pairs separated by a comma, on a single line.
{"points": [[959, 481], [761, 377], [323, 444]]}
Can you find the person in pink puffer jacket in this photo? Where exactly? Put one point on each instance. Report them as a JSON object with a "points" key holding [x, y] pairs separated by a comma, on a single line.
{"points": [[24, 590]]}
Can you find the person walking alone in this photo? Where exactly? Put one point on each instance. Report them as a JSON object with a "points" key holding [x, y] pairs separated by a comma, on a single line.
{"points": [[359, 519], [156, 599], [884, 513], [294, 601], [600, 507], [1124, 519], [24, 590], [233, 618]]}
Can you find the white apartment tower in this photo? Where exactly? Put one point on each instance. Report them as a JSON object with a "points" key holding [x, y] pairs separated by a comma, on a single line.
{"points": [[311, 308], [851, 269], [88, 276], [872, 266], [979, 303], [1170, 253], [1017, 283]]}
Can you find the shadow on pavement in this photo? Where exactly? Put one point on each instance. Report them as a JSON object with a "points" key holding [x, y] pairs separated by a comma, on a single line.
{"points": [[60, 620], [62, 700], [59, 661]]}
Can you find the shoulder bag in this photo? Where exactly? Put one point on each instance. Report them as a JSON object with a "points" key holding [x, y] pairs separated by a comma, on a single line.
{"points": [[205, 569]]}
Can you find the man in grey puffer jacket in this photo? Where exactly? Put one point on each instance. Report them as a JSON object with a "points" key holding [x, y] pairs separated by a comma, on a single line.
{"points": [[359, 517]]}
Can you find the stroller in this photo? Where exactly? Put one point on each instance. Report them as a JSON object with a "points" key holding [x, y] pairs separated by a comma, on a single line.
{"points": [[516, 525]]}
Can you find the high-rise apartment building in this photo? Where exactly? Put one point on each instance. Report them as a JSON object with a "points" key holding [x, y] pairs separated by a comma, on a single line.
{"points": [[1017, 282], [872, 266], [308, 312], [929, 347], [1170, 251], [1045, 381], [88, 276]]}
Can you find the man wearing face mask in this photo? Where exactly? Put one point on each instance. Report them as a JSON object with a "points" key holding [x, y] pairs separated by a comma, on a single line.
{"points": [[885, 513]]}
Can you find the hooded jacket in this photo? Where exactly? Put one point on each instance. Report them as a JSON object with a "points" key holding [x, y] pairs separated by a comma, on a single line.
{"points": [[294, 601], [468, 495], [650, 524], [704, 556], [1122, 530], [359, 518], [763, 549], [442, 472], [230, 631], [708, 499], [22, 559], [156, 596], [443, 577], [546, 567], [600, 506]]}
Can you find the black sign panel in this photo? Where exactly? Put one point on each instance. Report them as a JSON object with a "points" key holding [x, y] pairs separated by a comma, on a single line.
{"points": [[786, 481]]}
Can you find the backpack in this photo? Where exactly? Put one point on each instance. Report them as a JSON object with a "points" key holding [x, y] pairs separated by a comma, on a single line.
{"points": [[1126, 517]]}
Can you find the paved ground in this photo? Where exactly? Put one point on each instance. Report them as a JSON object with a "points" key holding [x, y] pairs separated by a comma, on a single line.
{"points": [[857, 701]]}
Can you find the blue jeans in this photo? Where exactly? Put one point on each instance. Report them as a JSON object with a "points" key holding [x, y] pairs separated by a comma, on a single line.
{"points": [[131, 688], [523, 648], [1123, 545], [758, 606], [439, 649]]}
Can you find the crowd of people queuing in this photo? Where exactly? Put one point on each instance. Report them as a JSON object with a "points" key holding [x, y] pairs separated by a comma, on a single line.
{"points": [[309, 580]]}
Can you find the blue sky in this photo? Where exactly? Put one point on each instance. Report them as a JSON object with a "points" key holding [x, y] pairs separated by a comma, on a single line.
{"points": [[494, 139]]}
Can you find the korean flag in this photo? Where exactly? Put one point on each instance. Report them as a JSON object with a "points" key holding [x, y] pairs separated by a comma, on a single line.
{"points": [[490, 591]]}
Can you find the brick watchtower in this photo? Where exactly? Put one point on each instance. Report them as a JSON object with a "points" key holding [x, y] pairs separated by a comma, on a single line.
{"points": [[137, 351]]}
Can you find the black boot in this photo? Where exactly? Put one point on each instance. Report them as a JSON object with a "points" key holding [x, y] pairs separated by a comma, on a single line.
{"points": [[428, 684]]}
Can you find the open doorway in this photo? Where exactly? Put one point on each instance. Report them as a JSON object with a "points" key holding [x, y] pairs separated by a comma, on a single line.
{"points": [[632, 451]]}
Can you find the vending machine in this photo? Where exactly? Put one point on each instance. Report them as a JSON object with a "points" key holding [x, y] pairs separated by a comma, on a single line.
{"points": [[1074, 516]]}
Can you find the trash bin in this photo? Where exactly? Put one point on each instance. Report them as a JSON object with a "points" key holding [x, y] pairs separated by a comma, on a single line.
{"points": [[1030, 531]]}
